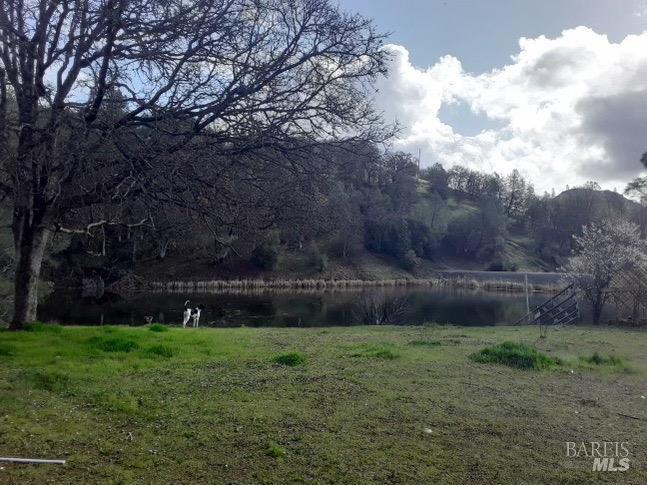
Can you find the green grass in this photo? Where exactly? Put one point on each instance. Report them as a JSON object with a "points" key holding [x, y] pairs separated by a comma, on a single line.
{"points": [[519, 251], [161, 350], [114, 344], [158, 327], [291, 359], [372, 405], [377, 351], [516, 355], [275, 451], [6, 350]]}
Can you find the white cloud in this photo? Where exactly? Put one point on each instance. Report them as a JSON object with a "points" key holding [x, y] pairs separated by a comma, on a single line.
{"points": [[567, 110]]}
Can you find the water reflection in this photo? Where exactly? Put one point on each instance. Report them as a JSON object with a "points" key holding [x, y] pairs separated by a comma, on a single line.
{"points": [[292, 309]]}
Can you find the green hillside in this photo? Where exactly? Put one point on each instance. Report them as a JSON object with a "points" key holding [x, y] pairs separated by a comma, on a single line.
{"points": [[519, 254], [396, 224]]}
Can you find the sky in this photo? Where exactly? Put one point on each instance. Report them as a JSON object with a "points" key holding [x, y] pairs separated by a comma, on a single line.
{"points": [[554, 88]]}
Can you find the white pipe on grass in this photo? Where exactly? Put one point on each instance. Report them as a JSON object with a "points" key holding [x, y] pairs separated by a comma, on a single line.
{"points": [[31, 460]]}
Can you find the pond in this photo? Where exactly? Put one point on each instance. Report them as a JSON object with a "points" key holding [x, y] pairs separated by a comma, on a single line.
{"points": [[398, 306]]}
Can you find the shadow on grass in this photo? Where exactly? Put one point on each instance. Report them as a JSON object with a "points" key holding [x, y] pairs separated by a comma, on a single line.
{"points": [[43, 327], [434, 343], [598, 359], [426, 343], [43, 380]]}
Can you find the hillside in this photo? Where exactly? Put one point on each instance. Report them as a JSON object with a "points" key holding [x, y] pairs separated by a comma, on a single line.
{"points": [[518, 254], [521, 246], [365, 266], [409, 226]]}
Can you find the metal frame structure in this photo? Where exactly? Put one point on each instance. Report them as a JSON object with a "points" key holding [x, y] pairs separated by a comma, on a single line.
{"points": [[561, 309]]}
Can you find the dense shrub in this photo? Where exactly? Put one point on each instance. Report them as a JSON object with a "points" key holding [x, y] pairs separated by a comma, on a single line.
{"points": [[388, 236], [266, 254], [477, 234], [407, 240], [422, 238], [409, 260], [317, 259]]}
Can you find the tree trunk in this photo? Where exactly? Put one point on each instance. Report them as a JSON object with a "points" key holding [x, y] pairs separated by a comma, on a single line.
{"points": [[596, 315], [30, 232], [598, 304], [30, 247]]}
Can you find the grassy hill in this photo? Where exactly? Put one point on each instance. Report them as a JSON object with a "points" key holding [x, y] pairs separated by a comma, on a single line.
{"points": [[520, 251]]}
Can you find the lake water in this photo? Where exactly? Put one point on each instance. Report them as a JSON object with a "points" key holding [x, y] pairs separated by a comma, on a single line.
{"points": [[402, 306]]}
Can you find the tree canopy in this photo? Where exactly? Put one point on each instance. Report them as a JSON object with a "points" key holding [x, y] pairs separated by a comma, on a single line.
{"points": [[106, 106]]}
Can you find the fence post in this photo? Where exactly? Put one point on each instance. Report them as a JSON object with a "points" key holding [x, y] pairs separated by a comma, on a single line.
{"points": [[525, 278]]}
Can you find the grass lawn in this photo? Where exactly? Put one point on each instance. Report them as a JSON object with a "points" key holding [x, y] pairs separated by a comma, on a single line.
{"points": [[347, 405]]}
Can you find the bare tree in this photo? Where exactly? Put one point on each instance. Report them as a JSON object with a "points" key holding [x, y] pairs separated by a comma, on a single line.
{"points": [[113, 97], [603, 251]]}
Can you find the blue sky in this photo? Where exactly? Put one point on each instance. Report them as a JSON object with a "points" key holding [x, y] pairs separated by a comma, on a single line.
{"points": [[454, 59], [484, 33]]}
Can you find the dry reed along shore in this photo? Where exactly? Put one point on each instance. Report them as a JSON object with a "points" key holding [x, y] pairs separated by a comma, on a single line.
{"points": [[251, 285]]}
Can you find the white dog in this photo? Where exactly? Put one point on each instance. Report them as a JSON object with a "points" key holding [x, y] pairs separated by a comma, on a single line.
{"points": [[191, 314]]}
